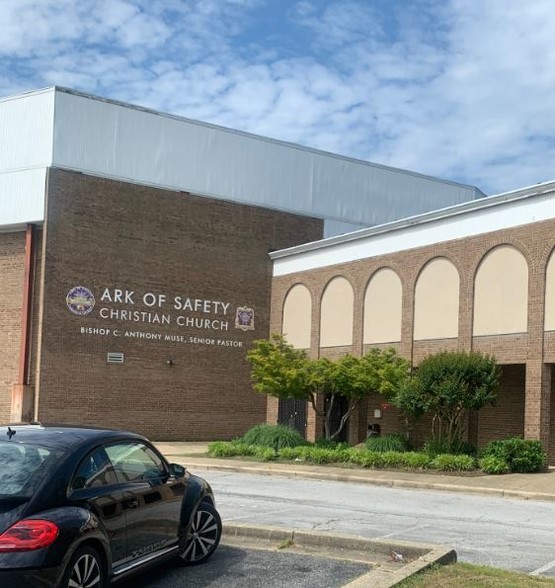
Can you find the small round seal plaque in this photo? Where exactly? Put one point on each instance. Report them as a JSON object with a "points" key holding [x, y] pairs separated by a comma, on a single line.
{"points": [[80, 300]]}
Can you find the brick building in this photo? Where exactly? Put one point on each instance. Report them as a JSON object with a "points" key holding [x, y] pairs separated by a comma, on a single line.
{"points": [[475, 276], [134, 266]]}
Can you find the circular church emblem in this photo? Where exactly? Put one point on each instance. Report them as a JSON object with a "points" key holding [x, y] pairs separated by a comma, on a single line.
{"points": [[80, 300]]}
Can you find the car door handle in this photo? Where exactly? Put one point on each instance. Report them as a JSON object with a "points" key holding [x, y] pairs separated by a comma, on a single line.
{"points": [[131, 503]]}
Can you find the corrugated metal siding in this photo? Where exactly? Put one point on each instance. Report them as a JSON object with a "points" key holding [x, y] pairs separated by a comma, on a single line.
{"points": [[115, 140], [26, 136], [26, 131], [22, 197]]}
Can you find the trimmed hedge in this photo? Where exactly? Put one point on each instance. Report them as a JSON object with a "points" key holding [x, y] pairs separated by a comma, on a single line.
{"points": [[499, 457], [453, 463], [520, 455], [494, 465], [346, 455]]}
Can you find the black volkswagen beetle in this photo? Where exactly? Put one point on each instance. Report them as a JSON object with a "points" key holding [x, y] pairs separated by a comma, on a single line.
{"points": [[82, 507]]}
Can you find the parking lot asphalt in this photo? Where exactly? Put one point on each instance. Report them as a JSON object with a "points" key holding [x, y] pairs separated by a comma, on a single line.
{"points": [[380, 564], [383, 569]]}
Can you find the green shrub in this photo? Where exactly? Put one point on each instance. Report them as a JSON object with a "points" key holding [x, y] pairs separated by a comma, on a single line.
{"points": [[453, 463], [228, 449], [366, 458], [416, 460], [520, 455], [330, 444], [320, 456], [317, 455], [264, 453], [273, 436], [492, 464], [383, 443], [292, 453], [457, 447]]}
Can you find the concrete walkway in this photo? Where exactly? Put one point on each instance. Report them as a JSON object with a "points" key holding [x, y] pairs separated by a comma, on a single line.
{"points": [[540, 486]]}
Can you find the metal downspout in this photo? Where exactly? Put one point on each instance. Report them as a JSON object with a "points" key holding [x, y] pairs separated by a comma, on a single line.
{"points": [[26, 311]]}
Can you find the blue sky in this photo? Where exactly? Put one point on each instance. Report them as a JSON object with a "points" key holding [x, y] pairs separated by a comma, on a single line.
{"points": [[459, 89]]}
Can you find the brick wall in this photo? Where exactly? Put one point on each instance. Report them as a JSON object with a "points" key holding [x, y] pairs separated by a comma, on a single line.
{"points": [[535, 241], [12, 269], [506, 418], [106, 234]]}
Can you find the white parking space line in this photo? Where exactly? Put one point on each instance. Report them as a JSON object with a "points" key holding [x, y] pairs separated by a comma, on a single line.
{"points": [[545, 568], [402, 531]]}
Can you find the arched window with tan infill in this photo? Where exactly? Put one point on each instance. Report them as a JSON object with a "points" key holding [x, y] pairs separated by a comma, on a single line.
{"points": [[436, 301], [501, 293], [549, 316], [297, 317], [383, 308], [336, 314]]}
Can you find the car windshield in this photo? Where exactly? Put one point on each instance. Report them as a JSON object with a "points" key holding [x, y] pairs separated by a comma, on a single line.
{"points": [[22, 466]]}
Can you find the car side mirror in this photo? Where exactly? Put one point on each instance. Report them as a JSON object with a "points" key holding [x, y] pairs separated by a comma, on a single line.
{"points": [[176, 470]]}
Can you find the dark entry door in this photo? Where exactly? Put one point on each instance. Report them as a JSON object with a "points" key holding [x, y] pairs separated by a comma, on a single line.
{"points": [[293, 414], [339, 408]]}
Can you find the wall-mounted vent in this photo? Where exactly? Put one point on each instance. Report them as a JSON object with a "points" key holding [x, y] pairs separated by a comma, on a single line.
{"points": [[115, 357]]}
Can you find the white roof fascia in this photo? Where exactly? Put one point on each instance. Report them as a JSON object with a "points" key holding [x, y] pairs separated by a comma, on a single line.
{"points": [[507, 210]]}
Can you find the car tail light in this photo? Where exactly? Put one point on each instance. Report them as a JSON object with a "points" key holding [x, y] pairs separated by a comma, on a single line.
{"points": [[28, 535]]}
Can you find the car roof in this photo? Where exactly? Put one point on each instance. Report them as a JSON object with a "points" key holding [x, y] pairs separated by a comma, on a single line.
{"points": [[62, 436]]}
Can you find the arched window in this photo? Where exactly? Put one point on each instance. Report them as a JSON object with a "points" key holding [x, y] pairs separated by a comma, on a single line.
{"points": [[297, 317], [336, 314], [549, 317], [383, 308], [501, 293], [436, 301]]}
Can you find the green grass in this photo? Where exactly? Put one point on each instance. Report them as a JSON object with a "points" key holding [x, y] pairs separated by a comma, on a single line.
{"points": [[462, 575]]}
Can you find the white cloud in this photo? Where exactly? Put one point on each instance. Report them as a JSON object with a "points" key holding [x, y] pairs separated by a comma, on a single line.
{"points": [[457, 89]]}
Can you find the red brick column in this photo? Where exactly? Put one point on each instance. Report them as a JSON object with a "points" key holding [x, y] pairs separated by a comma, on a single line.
{"points": [[538, 401], [272, 409]]}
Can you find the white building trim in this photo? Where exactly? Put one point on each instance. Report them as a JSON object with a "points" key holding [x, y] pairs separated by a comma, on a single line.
{"points": [[511, 209]]}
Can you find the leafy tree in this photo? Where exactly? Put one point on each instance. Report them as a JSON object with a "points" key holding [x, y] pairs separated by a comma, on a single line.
{"points": [[449, 385], [355, 378], [284, 372], [410, 401], [278, 369]]}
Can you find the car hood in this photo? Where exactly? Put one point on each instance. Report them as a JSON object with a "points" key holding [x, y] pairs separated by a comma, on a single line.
{"points": [[11, 510]]}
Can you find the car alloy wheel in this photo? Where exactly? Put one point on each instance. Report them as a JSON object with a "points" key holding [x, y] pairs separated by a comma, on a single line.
{"points": [[85, 570], [204, 535]]}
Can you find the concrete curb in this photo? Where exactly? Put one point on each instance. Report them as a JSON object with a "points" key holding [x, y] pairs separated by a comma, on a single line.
{"points": [[361, 479], [423, 555]]}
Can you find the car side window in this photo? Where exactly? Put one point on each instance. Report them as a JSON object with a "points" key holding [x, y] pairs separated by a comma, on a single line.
{"points": [[135, 462], [94, 470]]}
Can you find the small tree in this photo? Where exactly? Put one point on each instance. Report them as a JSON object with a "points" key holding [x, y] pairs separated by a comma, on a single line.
{"points": [[449, 385], [410, 401], [278, 369], [284, 372], [355, 378]]}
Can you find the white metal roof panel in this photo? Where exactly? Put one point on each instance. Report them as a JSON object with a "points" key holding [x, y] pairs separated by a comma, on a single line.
{"points": [[126, 142], [26, 130], [66, 129]]}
